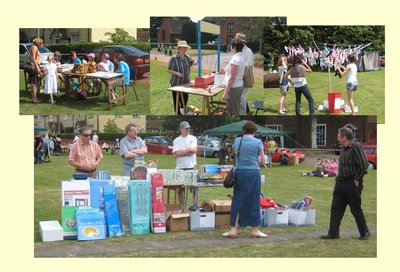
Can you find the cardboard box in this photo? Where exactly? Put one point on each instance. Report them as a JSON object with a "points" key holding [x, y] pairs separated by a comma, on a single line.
{"points": [[75, 193], [112, 215], [302, 217], [51, 231], [140, 226], [140, 206], [68, 221], [158, 220], [218, 205], [90, 224], [275, 217], [97, 189], [222, 220], [202, 221], [178, 222], [294, 161], [124, 210]]}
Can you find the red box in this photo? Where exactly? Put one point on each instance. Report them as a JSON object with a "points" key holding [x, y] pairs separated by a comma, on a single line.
{"points": [[334, 99], [204, 81], [158, 208]]}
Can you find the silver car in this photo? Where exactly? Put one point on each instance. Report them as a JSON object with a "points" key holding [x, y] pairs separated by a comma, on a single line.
{"points": [[24, 49], [211, 149]]}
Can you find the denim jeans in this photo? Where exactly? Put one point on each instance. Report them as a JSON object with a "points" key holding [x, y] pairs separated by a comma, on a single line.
{"points": [[306, 92]]}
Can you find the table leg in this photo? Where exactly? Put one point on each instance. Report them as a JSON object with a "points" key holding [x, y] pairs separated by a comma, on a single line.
{"points": [[66, 86], [124, 91], [177, 103], [109, 94], [26, 81]]}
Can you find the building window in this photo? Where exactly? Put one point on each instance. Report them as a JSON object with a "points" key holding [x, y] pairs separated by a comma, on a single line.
{"points": [[136, 116], [230, 28], [56, 40], [89, 116], [321, 135], [274, 127], [75, 38], [228, 41]]}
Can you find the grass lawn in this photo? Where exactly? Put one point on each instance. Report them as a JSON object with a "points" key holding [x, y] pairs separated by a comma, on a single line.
{"points": [[370, 96], [93, 105], [161, 99], [283, 184]]}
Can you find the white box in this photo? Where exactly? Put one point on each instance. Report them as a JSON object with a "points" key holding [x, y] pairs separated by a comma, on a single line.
{"points": [[302, 217], [51, 231], [202, 220], [275, 217], [75, 193]]}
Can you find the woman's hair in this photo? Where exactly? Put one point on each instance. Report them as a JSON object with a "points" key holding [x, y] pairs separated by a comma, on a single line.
{"points": [[238, 44], [249, 127], [57, 54], [50, 58], [280, 60], [119, 57], [37, 41], [352, 58], [297, 58]]}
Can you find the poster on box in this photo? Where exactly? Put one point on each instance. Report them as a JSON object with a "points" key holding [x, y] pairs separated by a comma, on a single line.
{"points": [[75, 193], [112, 215]]}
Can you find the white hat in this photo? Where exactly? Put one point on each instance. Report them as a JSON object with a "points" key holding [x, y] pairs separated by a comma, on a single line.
{"points": [[183, 44]]}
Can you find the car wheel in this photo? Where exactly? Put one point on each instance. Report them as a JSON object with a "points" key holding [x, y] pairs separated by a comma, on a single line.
{"points": [[371, 165], [216, 154]]}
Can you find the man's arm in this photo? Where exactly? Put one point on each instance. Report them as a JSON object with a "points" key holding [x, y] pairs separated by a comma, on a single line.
{"points": [[186, 152], [361, 161]]}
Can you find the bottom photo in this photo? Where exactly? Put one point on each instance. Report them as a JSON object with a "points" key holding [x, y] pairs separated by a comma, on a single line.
{"points": [[205, 186]]}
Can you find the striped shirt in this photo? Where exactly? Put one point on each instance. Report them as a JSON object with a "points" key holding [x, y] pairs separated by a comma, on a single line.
{"points": [[353, 162], [176, 63], [85, 154], [249, 152]]}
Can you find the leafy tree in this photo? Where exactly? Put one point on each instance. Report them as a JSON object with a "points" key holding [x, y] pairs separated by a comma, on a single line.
{"points": [[111, 127], [119, 36]]}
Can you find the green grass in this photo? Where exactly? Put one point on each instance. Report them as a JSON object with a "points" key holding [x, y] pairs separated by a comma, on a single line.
{"points": [[161, 99], [283, 184], [370, 96], [93, 105]]}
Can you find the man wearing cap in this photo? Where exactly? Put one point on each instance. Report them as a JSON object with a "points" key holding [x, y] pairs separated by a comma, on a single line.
{"points": [[179, 68], [249, 62], [132, 148], [85, 155], [184, 150]]}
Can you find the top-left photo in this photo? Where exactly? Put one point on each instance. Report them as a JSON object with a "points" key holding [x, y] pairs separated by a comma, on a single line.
{"points": [[95, 70]]}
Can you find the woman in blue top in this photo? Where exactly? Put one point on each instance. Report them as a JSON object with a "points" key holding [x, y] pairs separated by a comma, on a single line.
{"points": [[246, 194], [123, 68]]}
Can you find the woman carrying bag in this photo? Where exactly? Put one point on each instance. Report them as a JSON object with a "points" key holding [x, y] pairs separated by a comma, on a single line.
{"points": [[246, 193]]}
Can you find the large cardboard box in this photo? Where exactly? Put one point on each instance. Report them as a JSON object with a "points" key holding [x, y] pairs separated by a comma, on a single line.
{"points": [[202, 221], [112, 215], [140, 204], [51, 231], [68, 221], [178, 222], [158, 208], [140, 226], [75, 193], [275, 217], [90, 224], [302, 217], [222, 220], [121, 186], [97, 189], [222, 209], [294, 161]]}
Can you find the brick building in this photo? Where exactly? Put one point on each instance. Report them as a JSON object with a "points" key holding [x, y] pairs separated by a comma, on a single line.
{"points": [[170, 30]]}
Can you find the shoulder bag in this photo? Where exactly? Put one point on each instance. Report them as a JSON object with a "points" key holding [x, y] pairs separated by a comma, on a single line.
{"points": [[230, 179]]}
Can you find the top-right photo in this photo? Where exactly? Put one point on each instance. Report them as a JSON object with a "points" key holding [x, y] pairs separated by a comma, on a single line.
{"points": [[322, 70]]}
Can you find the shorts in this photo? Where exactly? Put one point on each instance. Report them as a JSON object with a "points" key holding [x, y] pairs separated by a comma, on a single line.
{"points": [[352, 86], [284, 89]]}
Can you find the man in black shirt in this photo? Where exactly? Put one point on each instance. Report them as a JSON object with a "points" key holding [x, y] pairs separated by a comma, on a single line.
{"points": [[353, 166]]}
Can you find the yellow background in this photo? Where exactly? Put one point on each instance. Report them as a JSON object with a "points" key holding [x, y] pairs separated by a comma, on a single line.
{"points": [[16, 231]]}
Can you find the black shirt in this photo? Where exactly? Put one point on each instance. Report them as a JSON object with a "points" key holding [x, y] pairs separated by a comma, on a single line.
{"points": [[176, 63], [353, 162]]}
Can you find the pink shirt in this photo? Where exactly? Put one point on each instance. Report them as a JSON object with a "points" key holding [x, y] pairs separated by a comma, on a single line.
{"points": [[332, 168], [85, 154]]}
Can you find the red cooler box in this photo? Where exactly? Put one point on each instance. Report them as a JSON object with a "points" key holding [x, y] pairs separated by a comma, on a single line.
{"points": [[158, 208], [334, 99]]}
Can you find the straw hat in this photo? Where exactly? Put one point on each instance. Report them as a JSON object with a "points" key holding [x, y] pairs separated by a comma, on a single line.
{"points": [[183, 44], [241, 36]]}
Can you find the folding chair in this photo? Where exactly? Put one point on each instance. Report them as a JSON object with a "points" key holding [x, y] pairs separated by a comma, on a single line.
{"points": [[258, 105]]}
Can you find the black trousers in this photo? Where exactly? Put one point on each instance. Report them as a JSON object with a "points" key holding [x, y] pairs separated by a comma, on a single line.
{"points": [[182, 104], [346, 193]]}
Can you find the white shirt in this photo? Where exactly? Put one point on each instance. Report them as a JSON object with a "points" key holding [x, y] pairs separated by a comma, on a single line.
{"points": [[237, 59], [181, 143], [352, 74], [248, 56], [95, 138]]}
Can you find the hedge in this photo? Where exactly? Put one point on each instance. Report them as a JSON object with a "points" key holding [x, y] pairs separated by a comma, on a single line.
{"points": [[87, 47], [110, 136]]}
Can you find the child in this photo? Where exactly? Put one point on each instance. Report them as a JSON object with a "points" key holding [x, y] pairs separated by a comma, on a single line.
{"points": [[318, 170], [283, 82], [351, 83], [50, 81]]}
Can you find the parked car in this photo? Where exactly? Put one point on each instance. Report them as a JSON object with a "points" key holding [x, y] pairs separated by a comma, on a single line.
{"points": [[133, 56], [211, 147], [159, 145], [24, 49], [370, 152], [382, 60], [277, 156]]}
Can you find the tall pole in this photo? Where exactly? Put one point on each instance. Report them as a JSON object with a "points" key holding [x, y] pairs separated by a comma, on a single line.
{"points": [[219, 53], [198, 49]]}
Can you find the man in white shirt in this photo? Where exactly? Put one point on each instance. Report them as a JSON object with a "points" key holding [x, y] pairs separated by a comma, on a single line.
{"points": [[95, 138], [184, 150], [249, 62]]}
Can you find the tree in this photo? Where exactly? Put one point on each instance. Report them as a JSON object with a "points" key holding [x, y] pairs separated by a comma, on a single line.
{"points": [[111, 127], [119, 36]]}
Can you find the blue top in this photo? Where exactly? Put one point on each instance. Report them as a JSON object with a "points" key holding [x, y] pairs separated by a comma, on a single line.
{"points": [[124, 69], [249, 152], [76, 61], [127, 145]]}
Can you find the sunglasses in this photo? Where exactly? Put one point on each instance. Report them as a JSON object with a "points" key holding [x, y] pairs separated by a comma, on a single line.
{"points": [[86, 135]]}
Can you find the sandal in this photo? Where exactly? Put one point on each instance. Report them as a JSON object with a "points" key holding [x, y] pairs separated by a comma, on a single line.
{"points": [[281, 112]]}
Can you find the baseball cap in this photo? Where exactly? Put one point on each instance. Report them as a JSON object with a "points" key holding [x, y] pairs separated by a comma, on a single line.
{"points": [[184, 124]]}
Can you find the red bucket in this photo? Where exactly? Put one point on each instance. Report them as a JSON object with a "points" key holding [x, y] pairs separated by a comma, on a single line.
{"points": [[334, 99]]}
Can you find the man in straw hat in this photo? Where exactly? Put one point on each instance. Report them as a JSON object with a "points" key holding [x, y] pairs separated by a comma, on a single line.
{"points": [[249, 62], [179, 68]]}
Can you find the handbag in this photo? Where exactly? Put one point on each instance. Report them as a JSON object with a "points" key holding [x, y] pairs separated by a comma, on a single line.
{"points": [[230, 179], [29, 67], [248, 78]]}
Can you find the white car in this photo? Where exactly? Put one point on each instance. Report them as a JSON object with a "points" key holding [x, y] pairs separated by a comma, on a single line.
{"points": [[24, 54]]}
